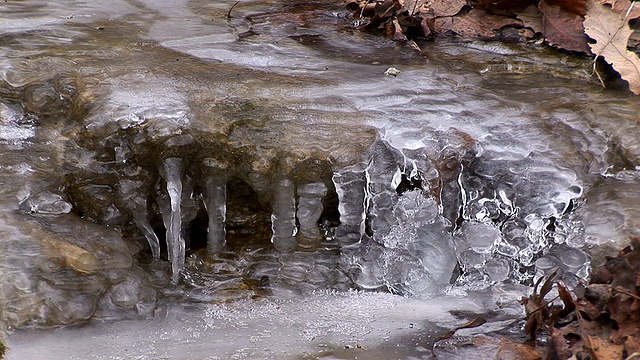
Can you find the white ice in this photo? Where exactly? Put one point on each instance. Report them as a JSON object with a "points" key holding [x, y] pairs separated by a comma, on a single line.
{"points": [[369, 325]]}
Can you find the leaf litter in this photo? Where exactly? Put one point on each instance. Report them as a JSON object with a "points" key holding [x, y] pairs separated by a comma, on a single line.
{"points": [[600, 28], [598, 320]]}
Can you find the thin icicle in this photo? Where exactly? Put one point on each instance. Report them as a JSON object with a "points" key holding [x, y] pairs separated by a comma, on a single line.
{"points": [[283, 217], [215, 202], [143, 224], [171, 171], [129, 192]]}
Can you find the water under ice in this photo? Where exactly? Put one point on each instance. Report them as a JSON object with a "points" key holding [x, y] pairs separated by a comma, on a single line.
{"points": [[266, 157]]}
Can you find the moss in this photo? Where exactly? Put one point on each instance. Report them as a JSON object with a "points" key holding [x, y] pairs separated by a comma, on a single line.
{"points": [[3, 349]]}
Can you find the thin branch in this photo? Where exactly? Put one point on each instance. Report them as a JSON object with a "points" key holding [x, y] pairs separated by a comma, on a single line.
{"points": [[231, 9]]}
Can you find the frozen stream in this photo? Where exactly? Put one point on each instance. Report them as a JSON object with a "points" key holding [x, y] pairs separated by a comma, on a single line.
{"points": [[180, 181]]}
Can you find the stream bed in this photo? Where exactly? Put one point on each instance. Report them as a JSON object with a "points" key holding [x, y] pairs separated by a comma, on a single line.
{"points": [[212, 180]]}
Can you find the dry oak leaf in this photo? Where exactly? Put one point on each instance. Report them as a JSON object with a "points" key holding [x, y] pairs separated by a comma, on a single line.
{"points": [[611, 32], [562, 28], [622, 6]]}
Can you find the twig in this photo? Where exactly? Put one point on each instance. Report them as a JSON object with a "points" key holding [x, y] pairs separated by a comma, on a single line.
{"points": [[543, 306], [595, 71], [621, 290], [231, 9], [635, 355]]}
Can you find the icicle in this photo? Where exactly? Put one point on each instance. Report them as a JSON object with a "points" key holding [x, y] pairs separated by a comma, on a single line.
{"points": [[283, 217], [350, 187], [310, 209], [130, 193], [215, 202], [171, 171], [140, 219], [188, 209]]}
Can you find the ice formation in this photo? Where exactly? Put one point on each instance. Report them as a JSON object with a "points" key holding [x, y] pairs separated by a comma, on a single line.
{"points": [[283, 217], [215, 201], [171, 171]]}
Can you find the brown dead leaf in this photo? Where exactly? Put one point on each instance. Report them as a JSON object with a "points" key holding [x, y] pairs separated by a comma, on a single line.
{"points": [[479, 321], [475, 24], [611, 32], [577, 7], [563, 29], [441, 8], [412, 6], [631, 345], [512, 350], [394, 30], [603, 349], [532, 18], [505, 7], [622, 7], [536, 308], [568, 300]]}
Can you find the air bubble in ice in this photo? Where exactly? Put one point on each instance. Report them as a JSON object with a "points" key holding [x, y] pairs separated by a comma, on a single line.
{"points": [[498, 269], [478, 236]]}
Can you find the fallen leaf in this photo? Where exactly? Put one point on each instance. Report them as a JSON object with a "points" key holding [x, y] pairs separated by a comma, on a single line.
{"points": [[567, 298], [623, 6], [512, 350], [563, 29], [479, 321], [442, 8], [412, 6], [531, 17], [394, 30], [476, 24], [577, 7], [505, 7], [611, 32]]}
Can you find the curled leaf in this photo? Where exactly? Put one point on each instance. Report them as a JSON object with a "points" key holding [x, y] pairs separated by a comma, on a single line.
{"points": [[479, 321]]}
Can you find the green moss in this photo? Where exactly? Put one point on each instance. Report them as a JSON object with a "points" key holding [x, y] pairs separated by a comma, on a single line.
{"points": [[3, 348]]}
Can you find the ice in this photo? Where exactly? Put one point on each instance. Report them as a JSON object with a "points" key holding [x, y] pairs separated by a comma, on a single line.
{"points": [[309, 210], [423, 234], [382, 181], [477, 236], [171, 171], [130, 195], [216, 206], [498, 269], [324, 324], [546, 265], [45, 203], [350, 184], [283, 217]]}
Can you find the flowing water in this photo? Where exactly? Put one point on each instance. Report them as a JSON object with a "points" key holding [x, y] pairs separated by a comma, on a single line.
{"points": [[184, 181]]}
